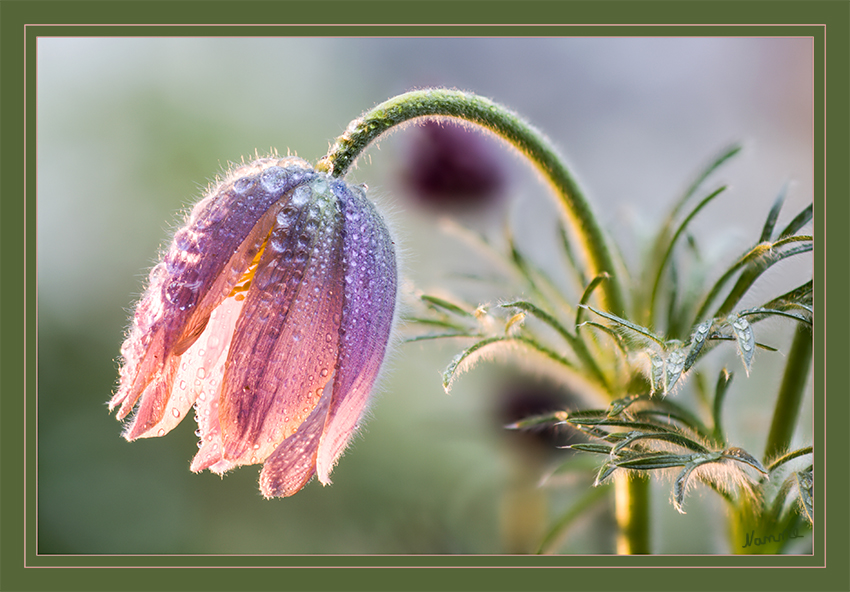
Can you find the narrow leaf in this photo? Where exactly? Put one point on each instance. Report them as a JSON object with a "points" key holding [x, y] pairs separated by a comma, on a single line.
{"points": [[789, 456], [627, 324], [746, 340], [723, 381], [656, 372], [455, 365], [619, 405], [766, 312], [558, 417], [753, 254], [591, 447], [715, 164], [672, 243], [674, 364], [588, 291], [623, 423], [806, 483], [673, 437], [798, 222], [767, 230], [618, 339], [449, 373], [801, 295], [605, 471], [434, 322], [445, 305], [742, 456], [656, 461], [571, 258], [429, 336], [542, 315], [681, 486], [773, 255], [698, 339]]}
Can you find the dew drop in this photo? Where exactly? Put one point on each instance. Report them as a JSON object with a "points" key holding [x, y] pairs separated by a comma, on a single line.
{"points": [[202, 372], [183, 385], [324, 372], [273, 179], [300, 196], [243, 185], [277, 243], [160, 432], [175, 412]]}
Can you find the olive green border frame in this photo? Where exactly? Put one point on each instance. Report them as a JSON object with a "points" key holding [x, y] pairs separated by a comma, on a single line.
{"points": [[21, 568]]}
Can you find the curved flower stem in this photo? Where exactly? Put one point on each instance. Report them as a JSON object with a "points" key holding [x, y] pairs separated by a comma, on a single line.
{"points": [[529, 141]]}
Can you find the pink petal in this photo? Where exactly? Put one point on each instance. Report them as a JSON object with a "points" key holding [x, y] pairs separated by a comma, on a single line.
{"points": [[367, 318], [207, 258], [293, 463], [206, 371], [285, 342]]}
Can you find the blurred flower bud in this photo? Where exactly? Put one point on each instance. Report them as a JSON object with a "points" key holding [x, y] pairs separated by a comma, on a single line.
{"points": [[524, 397], [447, 165]]}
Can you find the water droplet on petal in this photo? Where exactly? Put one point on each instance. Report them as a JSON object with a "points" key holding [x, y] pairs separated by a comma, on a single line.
{"points": [[243, 185]]}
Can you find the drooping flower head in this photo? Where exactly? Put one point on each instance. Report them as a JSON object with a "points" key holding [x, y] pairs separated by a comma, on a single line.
{"points": [[269, 315]]}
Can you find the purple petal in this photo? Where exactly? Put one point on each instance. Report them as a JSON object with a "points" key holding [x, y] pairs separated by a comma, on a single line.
{"points": [[207, 258], [286, 339], [367, 318]]}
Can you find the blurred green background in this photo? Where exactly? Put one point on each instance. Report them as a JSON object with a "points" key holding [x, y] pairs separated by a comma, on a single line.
{"points": [[130, 131]]}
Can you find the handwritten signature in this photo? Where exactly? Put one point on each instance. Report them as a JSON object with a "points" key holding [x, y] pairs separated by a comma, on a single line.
{"points": [[752, 540]]}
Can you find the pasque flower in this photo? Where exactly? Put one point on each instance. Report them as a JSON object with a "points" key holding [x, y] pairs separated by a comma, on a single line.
{"points": [[269, 314]]}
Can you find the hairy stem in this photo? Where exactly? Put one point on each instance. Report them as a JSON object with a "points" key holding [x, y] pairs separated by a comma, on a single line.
{"points": [[509, 126]]}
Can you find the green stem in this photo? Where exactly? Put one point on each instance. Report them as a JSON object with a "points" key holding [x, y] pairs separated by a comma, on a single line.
{"points": [[791, 393], [632, 503], [529, 141]]}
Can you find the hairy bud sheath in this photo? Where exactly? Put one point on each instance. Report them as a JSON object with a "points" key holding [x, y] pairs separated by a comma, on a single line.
{"points": [[269, 314]]}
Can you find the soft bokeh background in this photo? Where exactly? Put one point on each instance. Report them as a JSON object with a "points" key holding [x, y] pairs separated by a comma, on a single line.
{"points": [[131, 130]]}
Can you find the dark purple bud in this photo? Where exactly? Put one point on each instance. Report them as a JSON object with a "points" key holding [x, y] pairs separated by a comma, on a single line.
{"points": [[447, 165]]}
